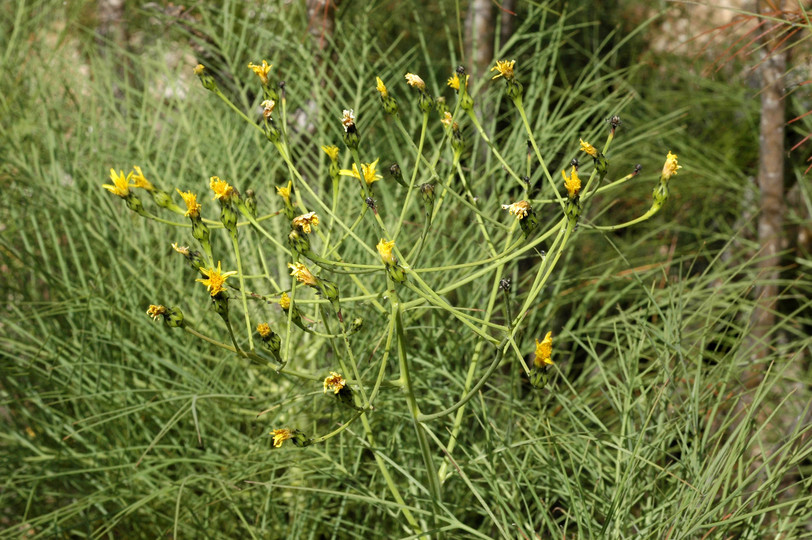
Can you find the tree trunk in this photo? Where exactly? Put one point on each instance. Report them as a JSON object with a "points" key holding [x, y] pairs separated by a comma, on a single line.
{"points": [[479, 33], [771, 186]]}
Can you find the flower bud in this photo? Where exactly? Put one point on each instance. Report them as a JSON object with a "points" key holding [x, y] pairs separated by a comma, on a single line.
{"points": [[299, 242]]}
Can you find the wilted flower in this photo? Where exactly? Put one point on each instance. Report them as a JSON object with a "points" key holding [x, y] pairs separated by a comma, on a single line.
{"points": [[267, 108], [588, 148], [280, 436], [334, 382], [331, 151], [519, 209], [302, 274], [192, 206], [261, 71], [140, 180], [306, 221], [415, 81], [348, 119], [671, 166], [382, 88]]}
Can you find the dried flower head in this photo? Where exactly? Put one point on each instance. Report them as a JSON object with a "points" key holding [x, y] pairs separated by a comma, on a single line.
{"points": [[183, 250], [348, 119], [447, 119], [192, 206], [588, 148], [572, 182], [504, 69], [671, 166], [267, 108], [306, 221], [334, 382], [544, 351], [302, 274], [156, 311], [519, 209], [120, 185], [222, 189], [415, 81], [261, 71], [280, 436], [140, 180], [215, 279], [381, 88]]}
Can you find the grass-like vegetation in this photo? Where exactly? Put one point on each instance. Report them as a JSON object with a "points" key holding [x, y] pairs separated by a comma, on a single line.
{"points": [[656, 421]]}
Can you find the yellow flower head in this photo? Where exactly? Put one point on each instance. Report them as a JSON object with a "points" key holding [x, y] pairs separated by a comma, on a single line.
{"points": [[140, 180], [446, 119], [284, 192], [280, 436], [454, 82], [267, 108], [156, 311], [415, 81], [215, 279], [382, 88], [264, 330], [284, 302], [302, 274], [369, 170], [192, 206], [334, 382], [332, 151], [261, 71], [385, 251], [222, 189], [120, 185], [671, 166], [519, 209], [306, 221], [504, 68], [199, 69], [544, 351], [348, 119], [588, 148], [572, 182], [183, 250]]}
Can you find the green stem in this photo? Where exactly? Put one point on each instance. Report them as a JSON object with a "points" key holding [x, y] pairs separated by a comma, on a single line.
{"points": [[409, 192], [242, 290]]}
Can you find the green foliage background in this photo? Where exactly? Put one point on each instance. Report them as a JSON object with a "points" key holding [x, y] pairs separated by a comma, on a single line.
{"points": [[118, 427]]}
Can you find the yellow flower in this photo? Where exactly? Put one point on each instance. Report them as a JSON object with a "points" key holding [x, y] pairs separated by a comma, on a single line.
{"points": [[519, 209], [671, 166], [331, 151], [544, 351], [121, 184], [215, 279], [284, 302], [261, 71], [267, 108], [415, 81], [306, 221], [183, 250], [140, 180], [348, 119], [222, 190], [264, 330], [572, 183], [382, 88], [454, 82], [199, 69], [446, 119], [369, 170], [504, 68], [588, 148], [334, 382], [385, 251], [302, 274], [280, 436], [192, 206], [284, 192], [156, 311]]}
